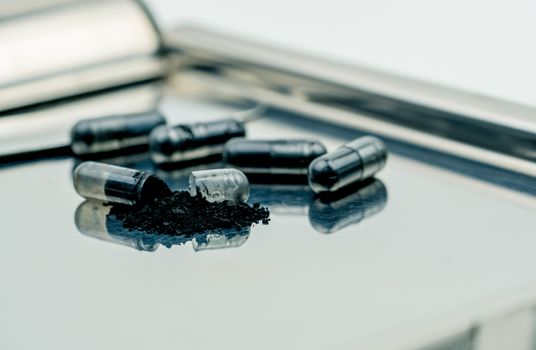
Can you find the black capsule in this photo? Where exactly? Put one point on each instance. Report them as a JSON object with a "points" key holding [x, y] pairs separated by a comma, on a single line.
{"points": [[114, 134], [188, 142], [356, 161], [290, 157]]}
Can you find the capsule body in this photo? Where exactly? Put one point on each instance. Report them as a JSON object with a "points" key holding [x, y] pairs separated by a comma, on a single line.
{"points": [[118, 133], [351, 163], [116, 184], [188, 142], [272, 156], [218, 185]]}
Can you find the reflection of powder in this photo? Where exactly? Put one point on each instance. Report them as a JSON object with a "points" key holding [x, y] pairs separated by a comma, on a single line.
{"points": [[182, 214]]}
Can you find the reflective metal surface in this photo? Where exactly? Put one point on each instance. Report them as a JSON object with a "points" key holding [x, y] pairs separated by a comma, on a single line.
{"points": [[479, 128], [433, 253], [75, 47]]}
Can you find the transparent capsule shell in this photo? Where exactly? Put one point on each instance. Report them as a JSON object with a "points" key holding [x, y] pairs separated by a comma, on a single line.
{"points": [[117, 184], [218, 185], [187, 142], [356, 161], [272, 156], [117, 133]]}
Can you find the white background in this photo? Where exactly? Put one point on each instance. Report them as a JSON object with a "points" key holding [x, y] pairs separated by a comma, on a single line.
{"points": [[483, 46]]}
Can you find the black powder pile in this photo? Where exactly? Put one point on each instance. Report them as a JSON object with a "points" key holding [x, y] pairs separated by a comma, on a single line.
{"points": [[182, 214]]}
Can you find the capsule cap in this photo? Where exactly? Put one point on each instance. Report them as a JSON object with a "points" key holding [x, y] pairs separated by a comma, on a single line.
{"points": [[217, 185], [373, 154]]}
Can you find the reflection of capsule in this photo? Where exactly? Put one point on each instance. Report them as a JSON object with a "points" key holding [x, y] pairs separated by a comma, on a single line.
{"points": [[119, 133], [186, 142], [179, 178], [272, 156], [91, 219], [226, 239], [117, 184], [331, 214], [217, 185], [283, 199], [351, 163]]}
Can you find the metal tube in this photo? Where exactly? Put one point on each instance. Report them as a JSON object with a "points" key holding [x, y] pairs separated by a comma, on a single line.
{"points": [[75, 47], [471, 126]]}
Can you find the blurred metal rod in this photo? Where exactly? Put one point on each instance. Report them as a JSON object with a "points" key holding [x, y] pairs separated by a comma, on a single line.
{"points": [[484, 129], [75, 47]]}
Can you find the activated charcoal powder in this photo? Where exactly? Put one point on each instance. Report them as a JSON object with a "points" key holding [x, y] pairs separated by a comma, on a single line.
{"points": [[182, 214]]}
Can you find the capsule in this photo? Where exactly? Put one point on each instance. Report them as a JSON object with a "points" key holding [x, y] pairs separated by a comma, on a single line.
{"points": [[356, 161], [117, 134], [188, 142], [290, 157], [116, 184], [331, 214], [218, 185]]}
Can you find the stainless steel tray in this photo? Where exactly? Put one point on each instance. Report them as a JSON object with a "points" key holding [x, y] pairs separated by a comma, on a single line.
{"points": [[443, 253]]}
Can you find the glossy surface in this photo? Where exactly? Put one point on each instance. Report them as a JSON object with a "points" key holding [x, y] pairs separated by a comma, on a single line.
{"points": [[445, 249], [108, 43]]}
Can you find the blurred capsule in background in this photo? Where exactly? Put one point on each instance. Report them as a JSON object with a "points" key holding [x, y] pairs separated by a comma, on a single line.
{"points": [[356, 161], [187, 142], [272, 157], [218, 185], [92, 219], [350, 206], [118, 134], [116, 184]]}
